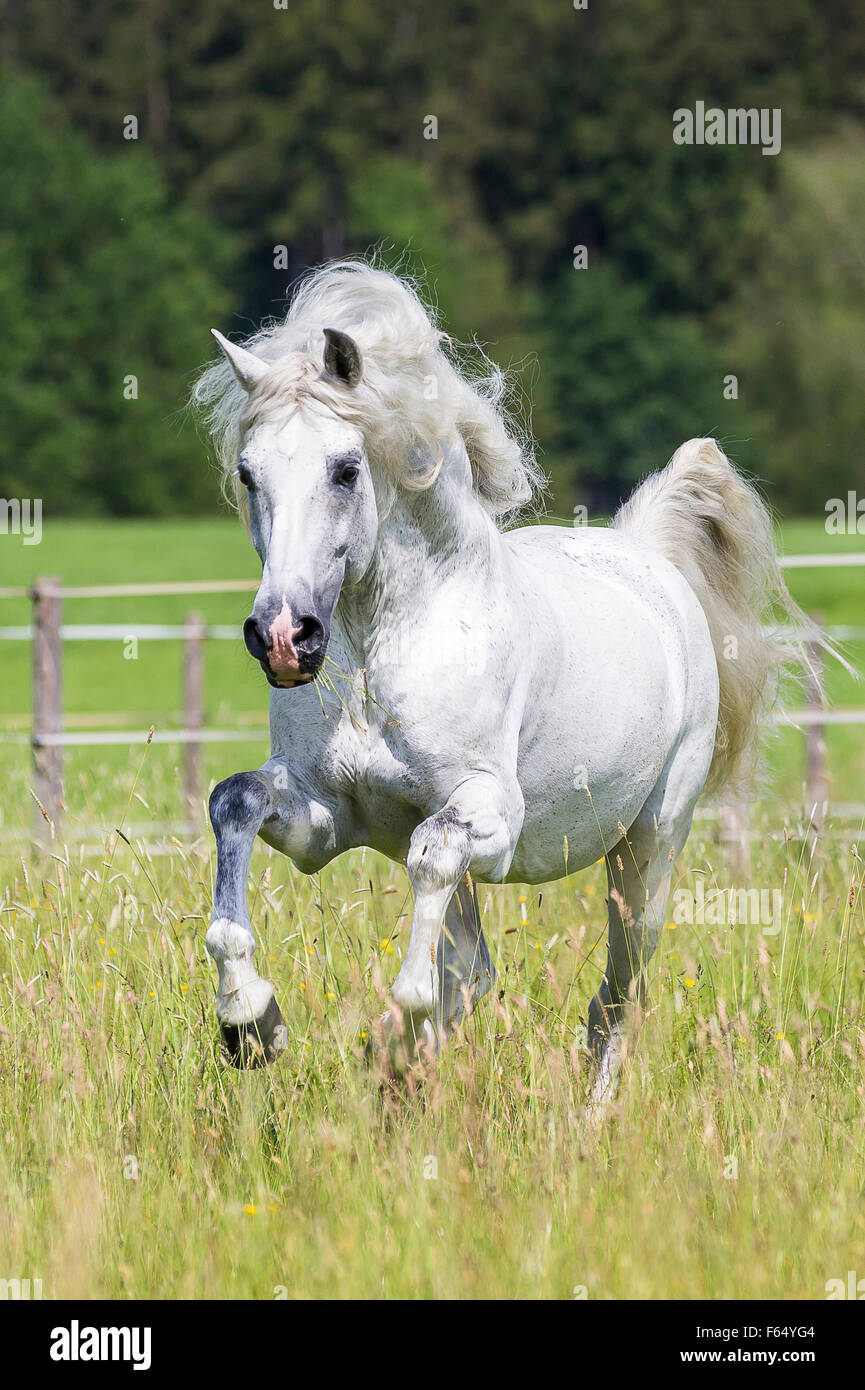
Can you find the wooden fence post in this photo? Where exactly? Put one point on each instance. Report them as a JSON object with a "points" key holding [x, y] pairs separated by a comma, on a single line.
{"points": [[815, 734], [47, 704], [193, 708]]}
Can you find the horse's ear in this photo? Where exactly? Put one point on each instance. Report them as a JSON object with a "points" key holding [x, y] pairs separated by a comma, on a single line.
{"points": [[248, 368], [342, 357]]}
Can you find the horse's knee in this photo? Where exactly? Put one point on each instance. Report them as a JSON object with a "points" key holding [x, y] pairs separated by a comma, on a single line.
{"points": [[440, 851], [240, 802]]}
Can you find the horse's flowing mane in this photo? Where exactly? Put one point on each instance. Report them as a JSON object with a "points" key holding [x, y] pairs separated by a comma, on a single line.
{"points": [[416, 395]]}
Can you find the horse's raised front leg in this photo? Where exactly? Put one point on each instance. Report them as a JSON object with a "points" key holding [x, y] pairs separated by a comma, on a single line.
{"points": [[476, 830], [253, 1029]]}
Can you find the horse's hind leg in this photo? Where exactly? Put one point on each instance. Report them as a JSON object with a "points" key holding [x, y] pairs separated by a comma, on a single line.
{"points": [[253, 1029], [639, 871], [638, 887]]}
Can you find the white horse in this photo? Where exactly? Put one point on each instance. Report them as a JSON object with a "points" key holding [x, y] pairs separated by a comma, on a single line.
{"points": [[506, 706]]}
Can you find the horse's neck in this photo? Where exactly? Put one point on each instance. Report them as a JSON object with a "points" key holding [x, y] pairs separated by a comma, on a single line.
{"points": [[424, 539]]}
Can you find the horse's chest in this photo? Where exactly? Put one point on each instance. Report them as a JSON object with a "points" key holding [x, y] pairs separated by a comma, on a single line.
{"points": [[383, 790]]}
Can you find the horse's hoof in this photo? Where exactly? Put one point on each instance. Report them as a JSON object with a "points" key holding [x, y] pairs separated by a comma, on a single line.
{"points": [[257, 1043]]}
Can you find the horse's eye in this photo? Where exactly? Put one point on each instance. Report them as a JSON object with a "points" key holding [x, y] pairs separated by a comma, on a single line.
{"points": [[245, 477], [346, 474]]}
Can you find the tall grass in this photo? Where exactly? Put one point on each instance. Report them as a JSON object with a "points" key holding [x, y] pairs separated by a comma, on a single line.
{"points": [[134, 1162]]}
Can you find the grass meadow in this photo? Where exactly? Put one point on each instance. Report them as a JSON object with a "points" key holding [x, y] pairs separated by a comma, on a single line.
{"points": [[135, 1163]]}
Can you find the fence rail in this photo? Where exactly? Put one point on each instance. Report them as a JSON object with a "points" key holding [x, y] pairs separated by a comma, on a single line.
{"points": [[117, 632], [102, 737], [818, 562], [154, 590], [47, 633]]}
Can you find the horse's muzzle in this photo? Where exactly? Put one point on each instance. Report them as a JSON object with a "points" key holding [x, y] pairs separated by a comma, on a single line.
{"points": [[289, 650]]}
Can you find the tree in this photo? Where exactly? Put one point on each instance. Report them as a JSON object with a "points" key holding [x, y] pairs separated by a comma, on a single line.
{"points": [[796, 329], [106, 294], [304, 132], [621, 386]]}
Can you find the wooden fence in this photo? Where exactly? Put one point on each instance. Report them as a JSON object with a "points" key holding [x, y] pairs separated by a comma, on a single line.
{"points": [[47, 634], [48, 738]]}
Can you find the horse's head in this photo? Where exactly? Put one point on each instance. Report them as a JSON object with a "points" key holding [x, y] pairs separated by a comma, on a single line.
{"points": [[312, 509]]}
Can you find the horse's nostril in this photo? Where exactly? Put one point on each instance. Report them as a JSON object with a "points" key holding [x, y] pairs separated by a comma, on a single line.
{"points": [[308, 635], [255, 643]]}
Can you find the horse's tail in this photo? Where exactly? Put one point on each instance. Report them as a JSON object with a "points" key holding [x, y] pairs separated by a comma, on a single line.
{"points": [[715, 528]]}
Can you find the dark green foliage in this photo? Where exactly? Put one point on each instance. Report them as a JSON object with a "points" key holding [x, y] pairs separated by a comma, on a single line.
{"points": [[304, 128], [620, 386], [102, 279]]}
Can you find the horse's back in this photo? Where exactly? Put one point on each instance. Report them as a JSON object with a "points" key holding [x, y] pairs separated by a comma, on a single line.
{"points": [[581, 565], [623, 664]]}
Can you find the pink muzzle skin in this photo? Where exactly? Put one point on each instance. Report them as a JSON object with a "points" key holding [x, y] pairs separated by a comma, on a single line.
{"points": [[282, 657]]}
